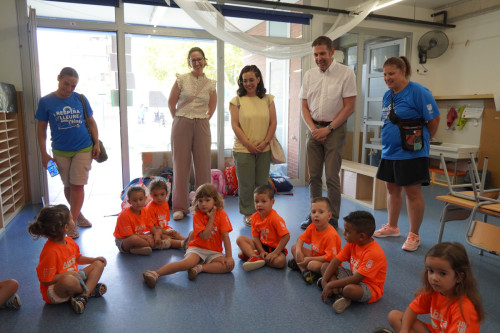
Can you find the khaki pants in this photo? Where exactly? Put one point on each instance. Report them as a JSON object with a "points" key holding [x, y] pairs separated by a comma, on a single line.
{"points": [[329, 155], [191, 141], [252, 170]]}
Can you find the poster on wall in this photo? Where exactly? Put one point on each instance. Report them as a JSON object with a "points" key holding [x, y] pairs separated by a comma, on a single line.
{"points": [[8, 100]]}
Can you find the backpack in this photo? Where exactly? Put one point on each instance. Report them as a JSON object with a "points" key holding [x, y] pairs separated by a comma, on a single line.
{"points": [[219, 181], [231, 180], [280, 184]]}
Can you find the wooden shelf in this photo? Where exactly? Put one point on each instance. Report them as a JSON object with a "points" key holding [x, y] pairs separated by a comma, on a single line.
{"points": [[12, 160], [477, 96], [358, 183]]}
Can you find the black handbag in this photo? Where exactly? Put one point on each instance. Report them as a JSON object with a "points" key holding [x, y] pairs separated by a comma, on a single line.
{"points": [[103, 156], [410, 130]]}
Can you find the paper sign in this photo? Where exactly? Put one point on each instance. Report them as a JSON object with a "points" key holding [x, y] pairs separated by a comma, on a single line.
{"points": [[472, 113]]}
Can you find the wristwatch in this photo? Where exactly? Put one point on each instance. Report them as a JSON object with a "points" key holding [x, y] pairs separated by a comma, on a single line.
{"points": [[330, 127]]}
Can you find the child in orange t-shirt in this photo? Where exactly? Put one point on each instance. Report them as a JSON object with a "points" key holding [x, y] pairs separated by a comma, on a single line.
{"points": [[60, 279], [324, 240], [8, 297], [364, 282], [269, 232], [449, 295], [211, 227], [132, 234], [158, 212]]}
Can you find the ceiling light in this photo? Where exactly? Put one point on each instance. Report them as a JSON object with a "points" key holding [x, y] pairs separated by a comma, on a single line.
{"points": [[386, 4]]}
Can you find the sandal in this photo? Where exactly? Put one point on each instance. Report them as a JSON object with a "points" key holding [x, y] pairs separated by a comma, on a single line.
{"points": [[78, 303], [99, 290], [81, 221], [150, 278], [14, 302]]}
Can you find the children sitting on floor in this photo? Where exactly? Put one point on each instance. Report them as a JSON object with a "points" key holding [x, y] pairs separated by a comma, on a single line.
{"points": [[364, 282], [270, 235], [324, 240], [60, 279], [211, 227], [8, 297], [131, 232], [158, 212]]}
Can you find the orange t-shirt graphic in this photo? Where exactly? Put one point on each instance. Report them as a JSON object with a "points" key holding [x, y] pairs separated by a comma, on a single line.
{"points": [[445, 313], [55, 259], [221, 225], [270, 230], [158, 214], [369, 261], [129, 223], [326, 243]]}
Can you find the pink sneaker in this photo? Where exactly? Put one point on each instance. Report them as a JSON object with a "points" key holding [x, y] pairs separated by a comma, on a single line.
{"points": [[253, 263], [412, 242], [387, 231]]}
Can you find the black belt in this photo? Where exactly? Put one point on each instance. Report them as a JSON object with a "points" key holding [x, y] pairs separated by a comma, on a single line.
{"points": [[321, 123]]}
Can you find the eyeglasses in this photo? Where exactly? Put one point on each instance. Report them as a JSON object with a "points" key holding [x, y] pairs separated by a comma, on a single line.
{"points": [[197, 60]]}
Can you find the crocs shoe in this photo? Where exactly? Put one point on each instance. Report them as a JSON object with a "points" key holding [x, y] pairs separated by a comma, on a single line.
{"points": [[78, 303], [253, 263], [387, 231], [412, 242], [142, 251], [193, 272], [81, 221], [341, 304], [150, 277]]}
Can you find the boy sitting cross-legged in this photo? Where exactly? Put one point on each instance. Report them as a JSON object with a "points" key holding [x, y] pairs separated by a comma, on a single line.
{"points": [[364, 282], [270, 235], [324, 240]]}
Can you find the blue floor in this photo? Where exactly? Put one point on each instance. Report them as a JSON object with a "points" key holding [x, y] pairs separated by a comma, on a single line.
{"points": [[266, 300]]}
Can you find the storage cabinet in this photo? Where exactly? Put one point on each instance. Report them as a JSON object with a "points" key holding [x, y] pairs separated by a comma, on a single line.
{"points": [[12, 193], [358, 183]]}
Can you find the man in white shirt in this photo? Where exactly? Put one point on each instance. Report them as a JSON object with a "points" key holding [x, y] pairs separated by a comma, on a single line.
{"points": [[328, 96]]}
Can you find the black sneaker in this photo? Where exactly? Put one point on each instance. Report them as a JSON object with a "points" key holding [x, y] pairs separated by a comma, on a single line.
{"points": [[307, 222], [309, 276], [319, 283], [293, 264]]}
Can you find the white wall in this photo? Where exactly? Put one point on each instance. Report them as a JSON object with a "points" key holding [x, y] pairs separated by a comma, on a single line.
{"points": [[10, 64]]}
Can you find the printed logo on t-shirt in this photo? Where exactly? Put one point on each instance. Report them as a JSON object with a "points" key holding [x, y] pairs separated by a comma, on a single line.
{"points": [[369, 264], [429, 108], [68, 118], [462, 327], [264, 234], [314, 249], [69, 263]]}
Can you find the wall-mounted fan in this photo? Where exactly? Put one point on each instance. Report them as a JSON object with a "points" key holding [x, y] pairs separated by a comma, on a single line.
{"points": [[431, 45]]}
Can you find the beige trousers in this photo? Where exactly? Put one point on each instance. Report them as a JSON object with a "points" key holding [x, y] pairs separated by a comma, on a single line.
{"points": [[191, 141]]}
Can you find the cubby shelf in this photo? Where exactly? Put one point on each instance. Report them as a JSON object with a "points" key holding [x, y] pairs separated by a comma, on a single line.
{"points": [[358, 183], [12, 191]]}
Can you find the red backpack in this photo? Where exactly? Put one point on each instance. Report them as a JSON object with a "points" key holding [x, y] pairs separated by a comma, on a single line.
{"points": [[219, 181], [231, 180]]}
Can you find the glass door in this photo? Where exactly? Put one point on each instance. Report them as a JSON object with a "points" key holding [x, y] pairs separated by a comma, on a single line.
{"points": [[152, 64], [374, 89], [90, 53]]}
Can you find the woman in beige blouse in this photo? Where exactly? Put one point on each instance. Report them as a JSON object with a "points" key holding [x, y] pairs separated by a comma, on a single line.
{"points": [[192, 103]]}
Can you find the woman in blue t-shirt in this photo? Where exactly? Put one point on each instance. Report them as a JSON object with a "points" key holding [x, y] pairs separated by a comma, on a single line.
{"points": [[408, 168], [72, 146]]}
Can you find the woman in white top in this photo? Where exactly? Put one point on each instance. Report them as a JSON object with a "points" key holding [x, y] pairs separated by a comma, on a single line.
{"points": [[253, 119], [192, 103]]}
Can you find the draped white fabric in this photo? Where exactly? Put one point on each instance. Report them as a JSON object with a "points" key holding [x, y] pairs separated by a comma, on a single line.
{"points": [[210, 19]]}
